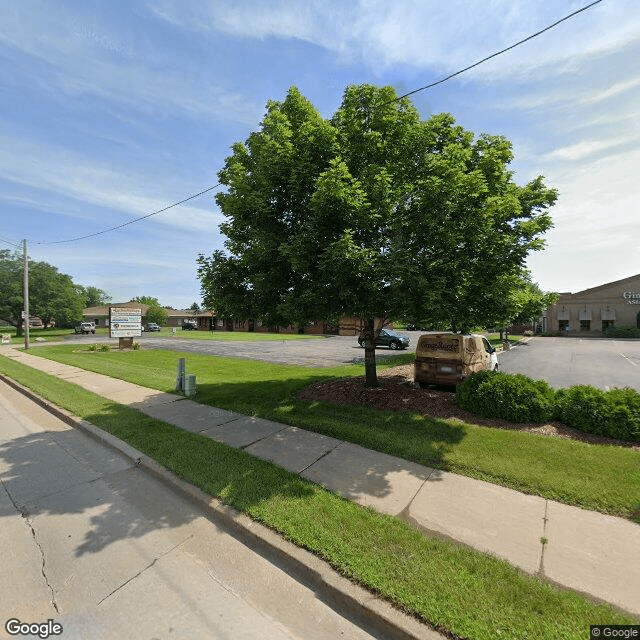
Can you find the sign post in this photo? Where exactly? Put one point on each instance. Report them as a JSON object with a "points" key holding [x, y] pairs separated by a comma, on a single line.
{"points": [[125, 324]]}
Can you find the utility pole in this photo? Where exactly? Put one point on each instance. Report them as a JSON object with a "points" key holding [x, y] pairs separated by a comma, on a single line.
{"points": [[26, 296]]}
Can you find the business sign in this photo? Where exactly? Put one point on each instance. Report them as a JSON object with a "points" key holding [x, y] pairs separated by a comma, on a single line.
{"points": [[631, 297], [125, 323]]}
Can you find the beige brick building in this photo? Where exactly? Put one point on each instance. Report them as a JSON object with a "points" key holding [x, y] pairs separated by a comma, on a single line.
{"points": [[591, 311]]}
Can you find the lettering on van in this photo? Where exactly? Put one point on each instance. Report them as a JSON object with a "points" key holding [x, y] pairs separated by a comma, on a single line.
{"points": [[440, 346], [631, 297]]}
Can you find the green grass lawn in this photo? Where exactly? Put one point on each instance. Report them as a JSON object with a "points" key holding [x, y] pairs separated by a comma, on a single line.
{"points": [[55, 334], [449, 586], [601, 478], [495, 341], [51, 334]]}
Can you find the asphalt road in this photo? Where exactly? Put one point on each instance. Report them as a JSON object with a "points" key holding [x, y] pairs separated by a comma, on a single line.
{"points": [[96, 544], [564, 362]]}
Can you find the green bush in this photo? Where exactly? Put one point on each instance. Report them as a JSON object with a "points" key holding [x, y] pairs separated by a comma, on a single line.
{"points": [[614, 413], [105, 347], [622, 331], [513, 397]]}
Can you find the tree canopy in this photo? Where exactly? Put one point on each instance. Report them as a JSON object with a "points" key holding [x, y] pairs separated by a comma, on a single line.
{"points": [[94, 297], [157, 314], [374, 212], [148, 300], [52, 295]]}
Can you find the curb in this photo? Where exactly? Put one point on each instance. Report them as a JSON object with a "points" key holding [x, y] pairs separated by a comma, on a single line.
{"points": [[377, 616]]}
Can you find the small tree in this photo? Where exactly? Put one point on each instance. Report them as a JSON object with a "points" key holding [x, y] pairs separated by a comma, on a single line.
{"points": [[94, 297], [158, 315], [373, 213], [521, 301]]}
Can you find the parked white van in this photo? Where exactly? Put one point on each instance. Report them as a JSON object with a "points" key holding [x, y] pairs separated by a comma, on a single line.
{"points": [[448, 358]]}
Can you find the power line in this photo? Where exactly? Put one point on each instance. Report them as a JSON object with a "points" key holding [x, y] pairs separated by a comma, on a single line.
{"points": [[120, 226], [13, 244], [410, 93], [493, 55]]}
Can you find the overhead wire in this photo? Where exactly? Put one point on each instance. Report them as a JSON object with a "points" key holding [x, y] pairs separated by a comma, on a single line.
{"points": [[410, 93], [494, 55], [125, 224], [13, 244]]}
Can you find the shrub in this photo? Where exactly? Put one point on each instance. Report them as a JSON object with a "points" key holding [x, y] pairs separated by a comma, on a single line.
{"points": [[93, 347], [622, 331], [105, 347], [136, 346], [513, 397], [614, 413]]}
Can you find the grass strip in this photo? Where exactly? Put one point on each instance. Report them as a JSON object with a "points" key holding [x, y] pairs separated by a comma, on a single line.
{"points": [[58, 334], [468, 593], [596, 477]]}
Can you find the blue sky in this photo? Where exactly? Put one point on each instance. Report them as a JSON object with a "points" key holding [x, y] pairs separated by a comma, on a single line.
{"points": [[112, 110]]}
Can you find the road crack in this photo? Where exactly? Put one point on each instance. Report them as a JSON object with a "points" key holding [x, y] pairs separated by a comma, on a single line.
{"points": [[137, 575], [27, 518]]}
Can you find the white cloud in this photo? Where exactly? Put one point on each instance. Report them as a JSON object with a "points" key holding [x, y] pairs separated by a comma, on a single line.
{"points": [[71, 52], [427, 34], [586, 148], [67, 176]]}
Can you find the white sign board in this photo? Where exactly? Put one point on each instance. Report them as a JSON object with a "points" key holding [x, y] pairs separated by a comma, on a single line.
{"points": [[125, 323]]}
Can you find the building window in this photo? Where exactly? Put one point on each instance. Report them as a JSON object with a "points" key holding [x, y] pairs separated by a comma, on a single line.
{"points": [[585, 325], [562, 325], [607, 324]]}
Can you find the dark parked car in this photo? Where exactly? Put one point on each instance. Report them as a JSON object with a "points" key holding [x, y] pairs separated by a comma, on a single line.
{"points": [[189, 325], [389, 338]]}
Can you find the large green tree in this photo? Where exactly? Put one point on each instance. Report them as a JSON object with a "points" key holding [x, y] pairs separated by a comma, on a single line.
{"points": [[11, 288], [375, 212], [52, 295]]}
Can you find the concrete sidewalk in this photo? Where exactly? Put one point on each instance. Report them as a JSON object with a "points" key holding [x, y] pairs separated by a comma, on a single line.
{"points": [[589, 552]]}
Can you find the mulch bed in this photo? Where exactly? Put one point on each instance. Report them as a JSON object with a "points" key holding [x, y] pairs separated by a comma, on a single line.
{"points": [[398, 393]]}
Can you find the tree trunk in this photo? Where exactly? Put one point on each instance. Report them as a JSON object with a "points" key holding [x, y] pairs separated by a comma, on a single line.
{"points": [[371, 376]]}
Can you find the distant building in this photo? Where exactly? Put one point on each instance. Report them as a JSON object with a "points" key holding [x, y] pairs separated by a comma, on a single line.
{"points": [[591, 311], [210, 321], [175, 317]]}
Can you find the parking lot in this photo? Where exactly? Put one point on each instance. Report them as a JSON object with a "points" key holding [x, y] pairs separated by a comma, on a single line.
{"points": [[564, 362], [326, 351]]}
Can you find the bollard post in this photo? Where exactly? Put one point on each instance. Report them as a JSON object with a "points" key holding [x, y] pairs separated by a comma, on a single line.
{"points": [[180, 376]]}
